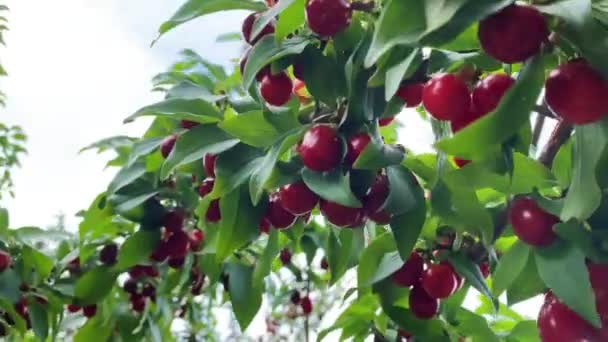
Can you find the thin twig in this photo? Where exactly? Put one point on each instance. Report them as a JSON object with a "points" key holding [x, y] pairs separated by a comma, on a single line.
{"points": [[544, 111], [538, 129], [560, 135]]}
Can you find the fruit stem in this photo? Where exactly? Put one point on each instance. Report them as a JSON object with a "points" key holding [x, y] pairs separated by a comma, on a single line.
{"points": [[560, 135], [544, 111], [363, 6]]}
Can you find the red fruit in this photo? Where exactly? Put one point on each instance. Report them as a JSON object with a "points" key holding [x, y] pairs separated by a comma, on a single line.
{"points": [[577, 93], [89, 311], [298, 71], [297, 198], [328, 17], [411, 94], [150, 271], [373, 203], [178, 244], [295, 297], [264, 225], [74, 265], [285, 256], [485, 269], [320, 148], [324, 264], [197, 237], [213, 212], [513, 34], [73, 308], [277, 215], [421, 304], [187, 124], [489, 91], [173, 220], [248, 27], [260, 75], [209, 164], [137, 271], [356, 145], [166, 146], [439, 281], [471, 116], [276, 89], [386, 121], [557, 323], [461, 162], [5, 260], [340, 215], [446, 97], [176, 262], [149, 290], [138, 303], [130, 286], [598, 275], [409, 274], [161, 253], [306, 305], [108, 254], [206, 187], [531, 223]]}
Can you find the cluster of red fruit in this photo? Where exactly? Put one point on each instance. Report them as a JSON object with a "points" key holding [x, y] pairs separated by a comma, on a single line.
{"points": [[304, 302], [21, 308]]}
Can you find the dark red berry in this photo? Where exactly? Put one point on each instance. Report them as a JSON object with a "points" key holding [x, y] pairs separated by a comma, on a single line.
{"points": [[89, 311], [558, 323], [247, 28], [411, 94], [386, 121], [461, 162], [173, 220], [285, 256], [209, 164], [488, 92], [161, 252], [373, 203], [206, 187], [276, 89], [484, 268], [150, 271], [138, 303], [178, 244], [439, 281], [577, 93], [213, 212], [306, 305], [130, 286], [278, 217], [446, 97], [73, 308], [187, 124], [176, 262], [298, 71], [260, 75], [295, 297], [320, 148], [264, 225], [197, 237], [108, 254], [409, 274], [471, 116], [340, 215], [531, 223], [328, 17], [137, 272], [5, 260], [148, 290], [166, 146], [513, 34], [297, 198], [356, 145], [74, 265], [324, 264], [421, 304]]}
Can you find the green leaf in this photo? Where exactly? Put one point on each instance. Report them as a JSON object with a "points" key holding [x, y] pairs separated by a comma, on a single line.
{"points": [[407, 227], [194, 144], [332, 186], [378, 155], [251, 128], [378, 260], [268, 16], [94, 330], [126, 176], [94, 285], [474, 326], [524, 331], [342, 245], [470, 271], [196, 110], [584, 195], [234, 167], [527, 285], [562, 267], [291, 19], [111, 143], [195, 8], [266, 51], [143, 148], [405, 193], [510, 266], [324, 77], [137, 248], [3, 220], [41, 264], [397, 72], [529, 174], [39, 318], [246, 298], [191, 91], [486, 134], [264, 262], [9, 285], [562, 164]]}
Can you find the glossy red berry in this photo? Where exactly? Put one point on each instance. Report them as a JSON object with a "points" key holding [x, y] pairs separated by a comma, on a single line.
{"points": [[340, 215], [356, 145], [73, 308], [489, 91], [176, 263], [484, 268], [558, 323], [439, 281], [187, 124], [138, 303], [577, 93], [320, 148], [178, 244], [130, 286], [446, 97], [161, 253], [285, 256], [386, 121], [166, 146], [373, 203], [149, 271], [409, 274], [513, 34], [411, 94], [421, 304], [531, 223], [295, 297], [461, 162], [264, 225], [276, 89], [471, 116], [297, 198], [209, 164], [206, 187], [5, 260], [213, 212], [598, 275], [173, 220], [260, 75], [306, 305], [108, 254], [89, 311], [148, 290], [278, 217], [197, 237], [247, 28], [328, 17]]}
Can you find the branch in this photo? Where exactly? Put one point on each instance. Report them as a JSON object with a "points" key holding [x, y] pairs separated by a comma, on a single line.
{"points": [[560, 135], [368, 6], [544, 111], [538, 129]]}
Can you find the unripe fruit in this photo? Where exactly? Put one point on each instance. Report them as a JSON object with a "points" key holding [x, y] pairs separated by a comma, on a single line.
{"points": [[108, 254], [209, 164], [206, 187], [178, 244], [187, 124], [197, 237], [409, 274], [328, 17], [166, 146], [306, 305], [278, 217], [411, 94], [374, 201], [513, 34], [386, 121], [531, 223], [276, 89], [73, 308], [320, 148], [489, 91], [89, 311], [439, 281], [248, 27], [446, 97], [213, 212], [577, 93], [173, 220], [285, 256], [356, 145], [421, 304], [297, 198], [300, 91], [340, 215], [5, 260]]}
